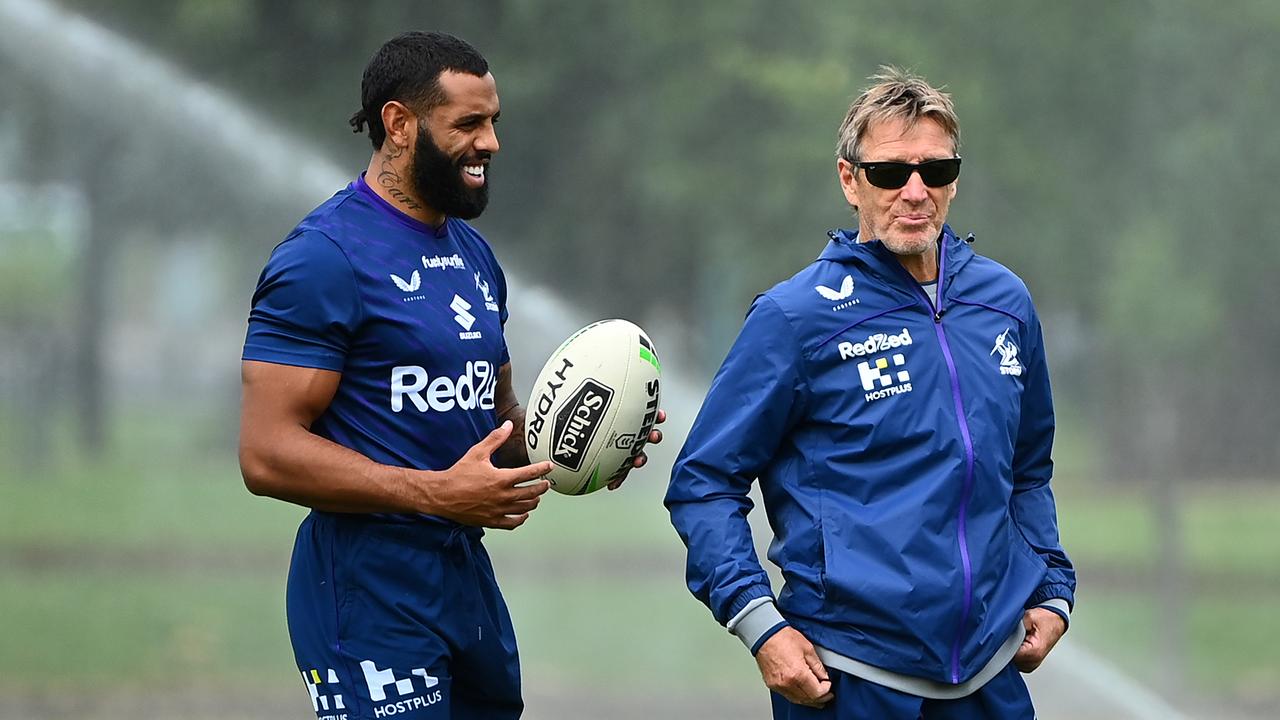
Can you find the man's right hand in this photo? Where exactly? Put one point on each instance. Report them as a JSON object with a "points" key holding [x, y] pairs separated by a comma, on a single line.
{"points": [[790, 667], [475, 492]]}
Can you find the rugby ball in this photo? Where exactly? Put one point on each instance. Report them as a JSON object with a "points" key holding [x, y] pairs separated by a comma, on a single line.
{"points": [[593, 405]]}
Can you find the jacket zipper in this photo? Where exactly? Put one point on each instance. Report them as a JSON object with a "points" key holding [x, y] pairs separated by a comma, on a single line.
{"points": [[962, 517]]}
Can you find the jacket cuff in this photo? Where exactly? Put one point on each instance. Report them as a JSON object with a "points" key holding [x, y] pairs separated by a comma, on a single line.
{"points": [[758, 622], [745, 600], [1059, 607], [1045, 593]]}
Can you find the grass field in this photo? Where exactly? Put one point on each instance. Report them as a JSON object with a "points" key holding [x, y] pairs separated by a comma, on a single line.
{"points": [[164, 573]]}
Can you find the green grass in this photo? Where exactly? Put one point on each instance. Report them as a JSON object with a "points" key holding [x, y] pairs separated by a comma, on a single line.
{"points": [[1116, 528], [141, 502], [1232, 566], [1232, 640], [639, 633], [97, 628], [631, 519], [161, 567], [1227, 528], [1233, 529], [94, 628]]}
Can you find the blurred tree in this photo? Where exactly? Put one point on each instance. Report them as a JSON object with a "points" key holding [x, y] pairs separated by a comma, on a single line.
{"points": [[1112, 155], [45, 289]]}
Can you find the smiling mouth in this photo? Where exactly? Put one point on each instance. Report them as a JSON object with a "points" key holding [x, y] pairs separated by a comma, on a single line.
{"points": [[474, 174]]}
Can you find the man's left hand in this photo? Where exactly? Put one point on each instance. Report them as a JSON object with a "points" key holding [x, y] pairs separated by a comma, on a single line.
{"points": [[1044, 629], [655, 437]]}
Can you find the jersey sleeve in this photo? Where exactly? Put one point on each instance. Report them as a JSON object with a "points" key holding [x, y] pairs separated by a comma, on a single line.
{"points": [[306, 306]]}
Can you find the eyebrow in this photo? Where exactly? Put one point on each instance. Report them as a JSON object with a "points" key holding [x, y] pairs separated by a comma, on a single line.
{"points": [[474, 117]]}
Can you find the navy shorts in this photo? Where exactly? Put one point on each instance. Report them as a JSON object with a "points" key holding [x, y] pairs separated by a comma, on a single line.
{"points": [[399, 619], [1005, 697]]}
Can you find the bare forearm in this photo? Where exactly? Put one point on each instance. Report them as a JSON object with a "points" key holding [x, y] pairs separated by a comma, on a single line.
{"points": [[281, 458], [300, 467]]}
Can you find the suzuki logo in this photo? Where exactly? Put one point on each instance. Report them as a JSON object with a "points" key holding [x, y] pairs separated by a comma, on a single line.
{"points": [[464, 318]]}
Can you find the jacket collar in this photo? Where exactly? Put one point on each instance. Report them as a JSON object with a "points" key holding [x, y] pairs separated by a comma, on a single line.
{"points": [[874, 256]]}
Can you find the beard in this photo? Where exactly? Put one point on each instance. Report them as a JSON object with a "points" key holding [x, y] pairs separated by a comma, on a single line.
{"points": [[901, 241], [913, 244], [437, 179]]}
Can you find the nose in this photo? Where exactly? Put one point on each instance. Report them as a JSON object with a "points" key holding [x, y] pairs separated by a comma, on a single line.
{"points": [[488, 139], [915, 190]]}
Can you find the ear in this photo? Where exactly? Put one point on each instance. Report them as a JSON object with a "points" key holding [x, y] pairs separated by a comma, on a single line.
{"points": [[848, 175], [400, 122]]}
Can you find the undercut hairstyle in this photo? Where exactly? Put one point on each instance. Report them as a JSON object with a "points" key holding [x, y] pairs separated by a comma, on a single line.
{"points": [[407, 68], [895, 94]]}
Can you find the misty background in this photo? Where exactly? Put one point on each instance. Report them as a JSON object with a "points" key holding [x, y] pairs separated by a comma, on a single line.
{"points": [[663, 162]]}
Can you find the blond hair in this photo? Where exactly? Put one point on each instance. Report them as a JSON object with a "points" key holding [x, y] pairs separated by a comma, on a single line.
{"points": [[895, 94]]}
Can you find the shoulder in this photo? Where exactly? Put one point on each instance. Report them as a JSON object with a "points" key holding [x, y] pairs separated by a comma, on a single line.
{"points": [[344, 219], [829, 296], [992, 271], [818, 284], [308, 286], [987, 281], [310, 252], [812, 305], [306, 270]]}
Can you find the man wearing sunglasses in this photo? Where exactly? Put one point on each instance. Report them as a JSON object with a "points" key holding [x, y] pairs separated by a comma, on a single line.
{"points": [[893, 400]]}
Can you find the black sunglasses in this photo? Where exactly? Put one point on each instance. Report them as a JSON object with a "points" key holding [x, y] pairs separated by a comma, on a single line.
{"points": [[893, 175]]}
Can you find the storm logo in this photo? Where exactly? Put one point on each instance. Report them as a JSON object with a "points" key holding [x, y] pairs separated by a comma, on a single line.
{"points": [[1009, 364]]}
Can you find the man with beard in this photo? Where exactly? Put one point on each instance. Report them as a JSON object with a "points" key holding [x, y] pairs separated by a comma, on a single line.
{"points": [[377, 392], [893, 400]]}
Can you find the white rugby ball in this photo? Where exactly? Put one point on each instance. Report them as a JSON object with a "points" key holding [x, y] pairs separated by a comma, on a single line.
{"points": [[593, 405]]}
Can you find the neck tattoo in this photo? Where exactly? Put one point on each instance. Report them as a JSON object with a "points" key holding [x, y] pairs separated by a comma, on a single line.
{"points": [[389, 178]]}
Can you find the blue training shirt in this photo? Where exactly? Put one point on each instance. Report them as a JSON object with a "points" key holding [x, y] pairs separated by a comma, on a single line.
{"points": [[411, 316]]}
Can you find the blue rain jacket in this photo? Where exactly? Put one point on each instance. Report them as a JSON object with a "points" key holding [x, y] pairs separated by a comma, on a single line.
{"points": [[903, 456]]}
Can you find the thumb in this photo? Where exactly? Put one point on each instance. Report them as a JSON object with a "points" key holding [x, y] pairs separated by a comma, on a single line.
{"points": [[815, 665], [491, 442]]}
